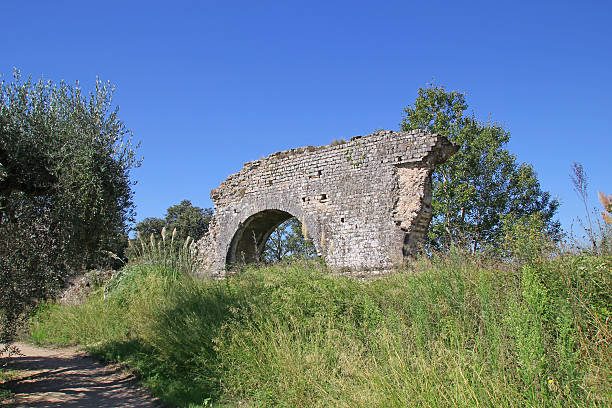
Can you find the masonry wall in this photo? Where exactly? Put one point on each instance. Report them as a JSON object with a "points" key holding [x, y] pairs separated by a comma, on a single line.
{"points": [[365, 203]]}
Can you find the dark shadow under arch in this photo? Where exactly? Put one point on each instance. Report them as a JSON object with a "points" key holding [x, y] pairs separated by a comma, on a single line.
{"points": [[250, 238]]}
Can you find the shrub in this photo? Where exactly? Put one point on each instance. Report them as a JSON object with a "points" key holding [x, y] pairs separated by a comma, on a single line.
{"points": [[65, 191]]}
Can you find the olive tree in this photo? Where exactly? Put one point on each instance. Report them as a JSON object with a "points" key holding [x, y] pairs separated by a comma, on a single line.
{"points": [[65, 188]]}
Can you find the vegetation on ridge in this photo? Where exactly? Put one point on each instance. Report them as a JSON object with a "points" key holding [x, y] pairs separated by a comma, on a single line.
{"points": [[451, 331]]}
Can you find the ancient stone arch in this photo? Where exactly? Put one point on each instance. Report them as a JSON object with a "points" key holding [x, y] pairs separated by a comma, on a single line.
{"points": [[365, 203]]}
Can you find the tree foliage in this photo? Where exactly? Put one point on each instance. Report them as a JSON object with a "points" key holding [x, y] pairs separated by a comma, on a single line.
{"points": [[288, 242], [482, 183], [65, 191], [150, 225], [189, 221]]}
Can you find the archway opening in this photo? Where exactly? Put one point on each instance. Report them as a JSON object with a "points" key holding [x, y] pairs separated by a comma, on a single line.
{"points": [[269, 236]]}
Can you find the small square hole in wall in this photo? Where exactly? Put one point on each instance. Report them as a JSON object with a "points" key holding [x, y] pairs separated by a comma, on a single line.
{"points": [[342, 219], [317, 174], [303, 199], [323, 198]]}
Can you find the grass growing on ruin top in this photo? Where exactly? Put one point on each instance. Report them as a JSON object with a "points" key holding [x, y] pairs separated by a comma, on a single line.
{"points": [[450, 332]]}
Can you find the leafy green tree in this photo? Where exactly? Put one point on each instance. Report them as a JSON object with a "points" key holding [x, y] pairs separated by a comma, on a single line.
{"points": [[288, 242], [150, 225], [65, 190], [482, 182], [188, 220]]}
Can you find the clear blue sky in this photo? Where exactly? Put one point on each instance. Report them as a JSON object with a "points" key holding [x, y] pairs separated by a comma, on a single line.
{"points": [[208, 85]]}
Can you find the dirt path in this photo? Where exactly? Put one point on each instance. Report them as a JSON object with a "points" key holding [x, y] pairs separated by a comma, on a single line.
{"points": [[70, 378]]}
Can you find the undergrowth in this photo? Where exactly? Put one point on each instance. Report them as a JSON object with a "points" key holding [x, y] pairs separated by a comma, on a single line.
{"points": [[452, 331]]}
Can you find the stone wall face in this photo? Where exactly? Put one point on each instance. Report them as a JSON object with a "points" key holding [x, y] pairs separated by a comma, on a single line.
{"points": [[365, 203]]}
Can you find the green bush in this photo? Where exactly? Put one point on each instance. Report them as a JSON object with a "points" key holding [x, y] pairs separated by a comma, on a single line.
{"points": [[65, 188]]}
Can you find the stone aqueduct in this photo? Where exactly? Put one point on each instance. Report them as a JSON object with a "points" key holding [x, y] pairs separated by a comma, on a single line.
{"points": [[365, 203]]}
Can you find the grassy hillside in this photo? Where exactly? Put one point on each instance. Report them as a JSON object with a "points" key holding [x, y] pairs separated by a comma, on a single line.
{"points": [[449, 332]]}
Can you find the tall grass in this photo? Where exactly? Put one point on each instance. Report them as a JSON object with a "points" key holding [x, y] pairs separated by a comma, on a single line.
{"points": [[453, 331], [167, 252]]}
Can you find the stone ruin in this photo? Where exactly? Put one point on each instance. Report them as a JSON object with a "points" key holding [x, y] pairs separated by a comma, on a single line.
{"points": [[364, 203]]}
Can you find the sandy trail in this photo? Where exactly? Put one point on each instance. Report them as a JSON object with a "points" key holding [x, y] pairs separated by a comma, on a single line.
{"points": [[69, 378]]}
